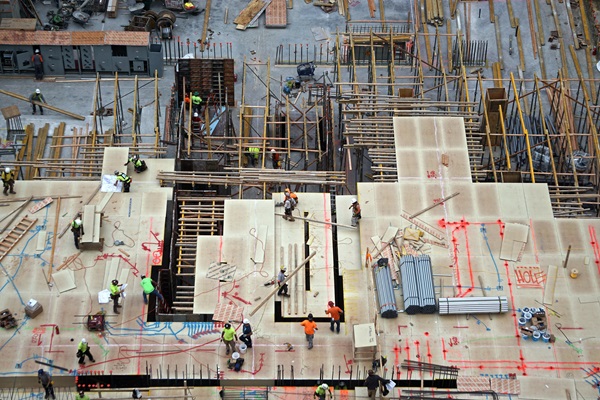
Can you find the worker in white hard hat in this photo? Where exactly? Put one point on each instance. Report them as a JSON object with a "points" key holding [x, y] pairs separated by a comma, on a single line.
{"points": [[246, 336], [38, 64], [283, 287], [8, 180], [355, 206], [83, 349], [39, 97], [321, 392], [77, 229]]}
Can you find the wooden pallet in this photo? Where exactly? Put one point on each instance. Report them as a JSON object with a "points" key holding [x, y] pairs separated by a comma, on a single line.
{"points": [[14, 235]]}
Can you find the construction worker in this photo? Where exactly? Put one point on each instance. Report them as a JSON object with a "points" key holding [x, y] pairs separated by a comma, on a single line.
{"points": [[289, 204], [46, 380], [38, 63], [138, 165], [83, 349], [149, 287], [310, 327], [293, 195], [275, 159], [196, 100], [253, 154], [8, 180], [373, 382], [246, 336], [186, 100], [126, 179], [82, 396], [229, 337], [115, 293], [39, 97], [283, 287], [355, 211], [77, 229], [321, 392], [335, 313]]}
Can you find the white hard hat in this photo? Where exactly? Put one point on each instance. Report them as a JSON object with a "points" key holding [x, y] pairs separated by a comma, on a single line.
{"points": [[7, 170], [325, 386], [195, 114], [37, 51], [354, 200], [83, 340], [38, 91], [78, 221], [272, 150], [246, 321]]}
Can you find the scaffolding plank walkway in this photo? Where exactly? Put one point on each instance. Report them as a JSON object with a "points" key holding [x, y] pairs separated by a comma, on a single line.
{"points": [[276, 14]]}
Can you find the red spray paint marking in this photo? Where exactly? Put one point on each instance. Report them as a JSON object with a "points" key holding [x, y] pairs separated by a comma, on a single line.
{"points": [[401, 326], [407, 349], [444, 351], [535, 249], [52, 326], [348, 364], [512, 301], [429, 355], [261, 362], [469, 264], [571, 328], [397, 351], [417, 345], [594, 243]]}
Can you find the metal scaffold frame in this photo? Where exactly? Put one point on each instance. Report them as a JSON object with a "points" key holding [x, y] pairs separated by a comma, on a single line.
{"points": [[517, 130], [79, 155]]}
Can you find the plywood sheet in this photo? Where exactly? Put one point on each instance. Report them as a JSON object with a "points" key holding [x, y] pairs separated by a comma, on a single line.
{"points": [[41, 242], [546, 388], [64, 280], [550, 284], [114, 158]]}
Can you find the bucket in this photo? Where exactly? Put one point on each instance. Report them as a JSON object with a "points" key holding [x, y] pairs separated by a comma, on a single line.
{"points": [[546, 337], [525, 310], [527, 315], [522, 321], [574, 273], [242, 348], [536, 336], [524, 336], [234, 357]]}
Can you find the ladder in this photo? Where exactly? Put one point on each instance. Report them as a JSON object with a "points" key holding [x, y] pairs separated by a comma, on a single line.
{"points": [[16, 233]]}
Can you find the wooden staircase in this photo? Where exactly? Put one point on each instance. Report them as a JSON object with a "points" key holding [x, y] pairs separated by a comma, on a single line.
{"points": [[14, 235]]}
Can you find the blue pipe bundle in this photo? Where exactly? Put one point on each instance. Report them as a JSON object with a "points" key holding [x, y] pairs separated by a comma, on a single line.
{"points": [[385, 290], [417, 285]]}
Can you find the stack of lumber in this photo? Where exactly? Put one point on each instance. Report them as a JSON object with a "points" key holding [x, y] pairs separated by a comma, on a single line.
{"points": [[251, 13], [435, 12]]}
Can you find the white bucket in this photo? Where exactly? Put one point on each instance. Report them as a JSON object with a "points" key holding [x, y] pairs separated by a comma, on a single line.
{"points": [[235, 356], [242, 348]]}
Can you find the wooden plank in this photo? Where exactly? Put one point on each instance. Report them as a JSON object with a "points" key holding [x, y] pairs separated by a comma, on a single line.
{"points": [[491, 7], [104, 201], [18, 24], [254, 8], [89, 213], [550, 284], [45, 105], [54, 235], [205, 26], [511, 15], [520, 45], [540, 25]]}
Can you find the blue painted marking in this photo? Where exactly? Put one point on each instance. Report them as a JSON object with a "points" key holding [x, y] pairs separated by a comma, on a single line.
{"points": [[483, 231]]}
